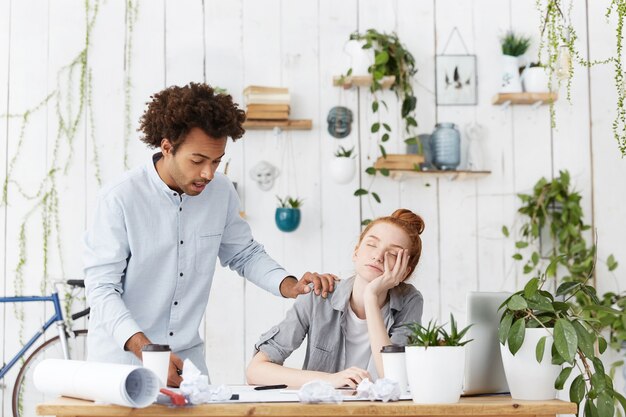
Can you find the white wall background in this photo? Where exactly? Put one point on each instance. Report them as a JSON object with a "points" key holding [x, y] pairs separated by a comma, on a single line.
{"points": [[298, 44]]}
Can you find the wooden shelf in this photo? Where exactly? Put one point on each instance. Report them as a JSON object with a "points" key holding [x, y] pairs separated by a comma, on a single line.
{"points": [[361, 81], [294, 124], [401, 175], [524, 98]]}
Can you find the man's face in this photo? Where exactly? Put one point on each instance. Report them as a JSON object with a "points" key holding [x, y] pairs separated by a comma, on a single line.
{"points": [[194, 164]]}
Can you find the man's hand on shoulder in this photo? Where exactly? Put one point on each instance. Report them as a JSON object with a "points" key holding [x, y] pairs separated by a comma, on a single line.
{"points": [[291, 287]]}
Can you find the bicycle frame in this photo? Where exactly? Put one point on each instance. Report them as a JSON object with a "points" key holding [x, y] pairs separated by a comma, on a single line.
{"points": [[56, 318]]}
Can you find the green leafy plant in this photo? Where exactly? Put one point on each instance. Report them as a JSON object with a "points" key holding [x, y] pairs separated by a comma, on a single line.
{"points": [[344, 153], [289, 202], [435, 335], [574, 333], [557, 49], [514, 44], [391, 58]]}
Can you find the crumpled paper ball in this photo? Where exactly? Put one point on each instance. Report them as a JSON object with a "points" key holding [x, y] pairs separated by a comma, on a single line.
{"points": [[319, 392], [384, 390], [196, 386]]}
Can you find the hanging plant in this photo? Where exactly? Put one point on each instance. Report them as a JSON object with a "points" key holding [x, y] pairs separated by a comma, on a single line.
{"points": [[391, 58], [287, 214], [558, 43]]}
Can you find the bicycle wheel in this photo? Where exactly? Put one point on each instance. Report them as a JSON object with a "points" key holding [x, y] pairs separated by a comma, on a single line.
{"points": [[25, 395]]}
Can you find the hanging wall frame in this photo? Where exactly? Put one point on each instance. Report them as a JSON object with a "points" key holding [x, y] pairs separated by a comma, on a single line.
{"points": [[456, 81]]}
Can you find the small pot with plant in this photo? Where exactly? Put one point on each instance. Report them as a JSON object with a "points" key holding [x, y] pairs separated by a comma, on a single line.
{"points": [[343, 166], [535, 78], [287, 215], [513, 46], [435, 362]]}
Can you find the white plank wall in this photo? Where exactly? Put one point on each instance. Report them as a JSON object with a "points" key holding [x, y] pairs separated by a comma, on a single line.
{"points": [[299, 44]]}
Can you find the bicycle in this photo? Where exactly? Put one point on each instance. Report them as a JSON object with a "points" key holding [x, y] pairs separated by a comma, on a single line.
{"points": [[68, 344]]}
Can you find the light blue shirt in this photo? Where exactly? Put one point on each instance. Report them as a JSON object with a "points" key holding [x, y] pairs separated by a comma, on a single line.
{"points": [[150, 254]]}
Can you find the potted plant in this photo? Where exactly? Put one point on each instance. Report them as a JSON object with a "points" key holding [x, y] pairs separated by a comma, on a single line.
{"points": [[435, 362], [513, 46], [568, 339], [390, 58], [535, 78], [287, 215], [343, 166]]}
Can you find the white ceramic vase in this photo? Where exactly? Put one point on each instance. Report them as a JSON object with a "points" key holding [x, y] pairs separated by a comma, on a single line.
{"points": [[528, 379], [435, 374], [359, 59], [535, 80], [342, 170], [510, 82]]}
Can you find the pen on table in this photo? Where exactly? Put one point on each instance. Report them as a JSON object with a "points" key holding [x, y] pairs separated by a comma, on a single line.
{"points": [[264, 387]]}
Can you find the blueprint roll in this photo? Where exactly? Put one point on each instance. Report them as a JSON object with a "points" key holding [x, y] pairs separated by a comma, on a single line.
{"points": [[127, 385]]}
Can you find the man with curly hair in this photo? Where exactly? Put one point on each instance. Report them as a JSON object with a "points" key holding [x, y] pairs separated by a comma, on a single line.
{"points": [[151, 250]]}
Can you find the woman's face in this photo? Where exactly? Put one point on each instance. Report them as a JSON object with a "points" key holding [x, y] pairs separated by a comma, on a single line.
{"points": [[382, 238]]}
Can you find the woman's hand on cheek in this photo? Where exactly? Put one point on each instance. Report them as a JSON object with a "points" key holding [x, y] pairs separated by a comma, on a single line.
{"points": [[392, 276]]}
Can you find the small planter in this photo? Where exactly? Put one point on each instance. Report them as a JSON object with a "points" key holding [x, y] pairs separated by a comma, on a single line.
{"points": [[435, 374], [360, 59], [535, 80], [342, 170], [528, 379], [287, 219], [510, 82]]}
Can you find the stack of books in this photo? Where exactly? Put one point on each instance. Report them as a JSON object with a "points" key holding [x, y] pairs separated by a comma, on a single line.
{"points": [[266, 103]]}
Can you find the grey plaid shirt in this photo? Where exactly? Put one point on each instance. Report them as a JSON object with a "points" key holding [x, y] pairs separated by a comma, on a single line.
{"points": [[324, 322]]}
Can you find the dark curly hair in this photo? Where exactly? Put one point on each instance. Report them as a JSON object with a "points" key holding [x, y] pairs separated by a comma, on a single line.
{"points": [[173, 112]]}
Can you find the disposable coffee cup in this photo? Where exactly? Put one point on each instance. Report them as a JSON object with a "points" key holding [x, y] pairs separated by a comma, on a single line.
{"points": [[157, 359], [394, 365]]}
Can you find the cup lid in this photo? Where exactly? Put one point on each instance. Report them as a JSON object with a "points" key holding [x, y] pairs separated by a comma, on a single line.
{"points": [[155, 348], [392, 349]]}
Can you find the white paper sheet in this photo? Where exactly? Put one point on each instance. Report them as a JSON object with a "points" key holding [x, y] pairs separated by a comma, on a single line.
{"points": [[126, 385]]}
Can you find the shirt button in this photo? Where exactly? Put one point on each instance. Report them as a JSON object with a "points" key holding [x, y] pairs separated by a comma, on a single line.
{"points": [[175, 303], [180, 209], [181, 274], [181, 242], [171, 333], [175, 194]]}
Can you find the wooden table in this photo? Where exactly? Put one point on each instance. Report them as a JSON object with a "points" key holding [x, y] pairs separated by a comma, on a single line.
{"points": [[471, 406]]}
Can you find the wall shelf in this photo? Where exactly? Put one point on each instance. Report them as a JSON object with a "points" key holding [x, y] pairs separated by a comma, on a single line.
{"points": [[536, 99], [401, 175], [294, 124], [361, 81]]}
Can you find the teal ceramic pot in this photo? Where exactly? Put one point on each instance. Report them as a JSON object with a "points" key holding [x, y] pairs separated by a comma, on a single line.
{"points": [[287, 219]]}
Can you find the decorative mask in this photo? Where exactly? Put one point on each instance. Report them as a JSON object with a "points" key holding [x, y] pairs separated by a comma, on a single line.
{"points": [[339, 122], [264, 174]]}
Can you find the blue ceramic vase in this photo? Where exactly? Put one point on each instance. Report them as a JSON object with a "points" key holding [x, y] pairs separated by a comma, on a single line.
{"points": [[446, 146], [287, 219]]}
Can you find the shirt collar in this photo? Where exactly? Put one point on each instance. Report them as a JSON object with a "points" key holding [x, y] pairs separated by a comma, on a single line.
{"points": [[154, 175], [343, 291]]}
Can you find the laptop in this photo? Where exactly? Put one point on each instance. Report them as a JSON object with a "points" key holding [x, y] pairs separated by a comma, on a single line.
{"points": [[484, 373]]}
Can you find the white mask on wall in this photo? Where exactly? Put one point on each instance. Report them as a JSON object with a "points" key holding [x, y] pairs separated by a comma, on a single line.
{"points": [[264, 174]]}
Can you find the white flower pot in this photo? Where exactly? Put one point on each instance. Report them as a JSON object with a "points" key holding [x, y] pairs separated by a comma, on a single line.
{"points": [[510, 82], [535, 80], [359, 59], [435, 374], [528, 379], [342, 170]]}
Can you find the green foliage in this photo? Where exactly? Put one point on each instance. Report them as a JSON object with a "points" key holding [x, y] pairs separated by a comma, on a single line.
{"points": [[391, 58], [436, 335], [344, 153], [289, 202], [574, 336], [558, 39], [514, 44]]}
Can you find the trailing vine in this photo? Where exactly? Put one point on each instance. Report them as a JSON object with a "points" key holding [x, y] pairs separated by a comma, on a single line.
{"points": [[132, 11], [558, 42], [391, 58]]}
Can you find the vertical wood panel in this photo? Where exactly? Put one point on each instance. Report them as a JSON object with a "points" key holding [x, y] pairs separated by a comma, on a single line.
{"points": [[224, 68], [184, 47]]}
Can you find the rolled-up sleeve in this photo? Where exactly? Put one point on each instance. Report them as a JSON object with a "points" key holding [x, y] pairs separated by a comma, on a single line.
{"points": [[411, 311], [280, 341], [241, 253], [106, 252]]}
